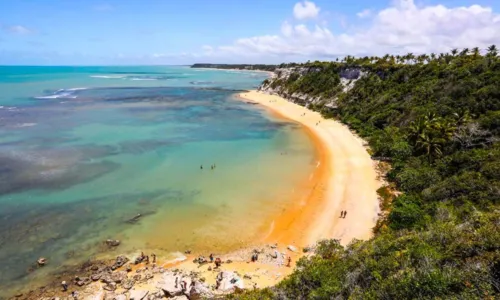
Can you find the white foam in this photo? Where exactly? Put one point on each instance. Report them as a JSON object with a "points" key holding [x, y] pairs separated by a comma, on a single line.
{"points": [[108, 76], [25, 125], [75, 89], [179, 257], [142, 79], [63, 95]]}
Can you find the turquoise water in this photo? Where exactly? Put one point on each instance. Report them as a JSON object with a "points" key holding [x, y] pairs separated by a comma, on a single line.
{"points": [[85, 149]]}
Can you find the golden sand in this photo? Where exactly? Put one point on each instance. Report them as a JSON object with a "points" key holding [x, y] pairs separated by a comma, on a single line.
{"points": [[345, 179]]}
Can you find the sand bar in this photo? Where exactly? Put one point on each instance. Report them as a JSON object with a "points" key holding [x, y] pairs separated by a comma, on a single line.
{"points": [[349, 181]]}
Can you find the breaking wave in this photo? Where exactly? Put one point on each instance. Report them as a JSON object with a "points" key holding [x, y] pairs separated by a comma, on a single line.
{"points": [[62, 94]]}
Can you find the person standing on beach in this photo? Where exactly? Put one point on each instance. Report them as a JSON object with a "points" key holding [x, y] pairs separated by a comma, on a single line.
{"points": [[345, 213], [289, 261], [211, 258], [218, 262], [64, 286], [154, 257], [342, 214]]}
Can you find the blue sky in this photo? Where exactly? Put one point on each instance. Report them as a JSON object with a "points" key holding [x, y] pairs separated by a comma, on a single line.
{"points": [[56, 32]]}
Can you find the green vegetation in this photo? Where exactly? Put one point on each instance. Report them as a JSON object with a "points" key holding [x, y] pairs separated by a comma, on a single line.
{"points": [[436, 118]]}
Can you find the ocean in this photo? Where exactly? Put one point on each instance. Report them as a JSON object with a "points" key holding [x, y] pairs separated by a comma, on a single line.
{"points": [[85, 150]]}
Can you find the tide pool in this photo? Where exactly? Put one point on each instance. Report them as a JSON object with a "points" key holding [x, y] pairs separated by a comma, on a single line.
{"points": [[83, 150]]}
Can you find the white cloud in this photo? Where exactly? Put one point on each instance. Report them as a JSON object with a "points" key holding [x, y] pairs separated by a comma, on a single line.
{"points": [[400, 28], [305, 10], [18, 29], [286, 29], [364, 13], [207, 48]]}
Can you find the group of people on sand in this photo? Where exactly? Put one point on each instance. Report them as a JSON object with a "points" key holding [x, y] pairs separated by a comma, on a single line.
{"points": [[212, 167], [218, 261], [145, 258], [343, 214]]}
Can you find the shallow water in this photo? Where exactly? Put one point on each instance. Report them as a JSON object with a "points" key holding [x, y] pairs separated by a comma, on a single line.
{"points": [[84, 150]]}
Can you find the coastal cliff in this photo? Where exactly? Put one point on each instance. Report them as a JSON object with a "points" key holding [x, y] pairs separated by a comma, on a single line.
{"points": [[436, 119], [312, 84]]}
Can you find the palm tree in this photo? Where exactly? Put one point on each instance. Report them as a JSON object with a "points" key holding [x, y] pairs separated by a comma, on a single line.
{"points": [[392, 60], [430, 145], [492, 50], [417, 128], [475, 52], [464, 52], [454, 52], [411, 56], [430, 132], [462, 117], [421, 59], [444, 129]]}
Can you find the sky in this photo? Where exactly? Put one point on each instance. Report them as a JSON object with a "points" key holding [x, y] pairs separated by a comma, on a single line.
{"points": [[157, 32]]}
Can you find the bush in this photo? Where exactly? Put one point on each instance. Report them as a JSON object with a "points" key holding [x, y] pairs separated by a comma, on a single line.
{"points": [[406, 213]]}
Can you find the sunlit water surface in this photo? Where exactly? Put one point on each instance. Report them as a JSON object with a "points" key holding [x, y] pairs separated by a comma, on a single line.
{"points": [[84, 150]]}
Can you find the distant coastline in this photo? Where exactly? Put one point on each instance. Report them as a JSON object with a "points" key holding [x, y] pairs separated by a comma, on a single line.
{"points": [[239, 67]]}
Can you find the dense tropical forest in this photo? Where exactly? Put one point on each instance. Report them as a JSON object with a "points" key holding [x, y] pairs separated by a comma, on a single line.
{"points": [[436, 119], [261, 67]]}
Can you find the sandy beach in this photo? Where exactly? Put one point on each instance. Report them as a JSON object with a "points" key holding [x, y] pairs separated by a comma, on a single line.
{"points": [[347, 181], [270, 73]]}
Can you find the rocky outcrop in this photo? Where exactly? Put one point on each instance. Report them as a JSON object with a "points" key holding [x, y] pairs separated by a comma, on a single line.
{"points": [[112, 243], [351, 73], [171, 284], [119, 279], [138, 294], [275, 84], [176, 284], [229, 282]]}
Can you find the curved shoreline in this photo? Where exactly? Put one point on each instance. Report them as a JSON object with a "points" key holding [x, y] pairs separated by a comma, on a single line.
{"points": [[344, 179], [350, 180]]}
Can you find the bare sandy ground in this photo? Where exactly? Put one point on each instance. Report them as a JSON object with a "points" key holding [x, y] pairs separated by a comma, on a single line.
{"points": [[350, 178]]}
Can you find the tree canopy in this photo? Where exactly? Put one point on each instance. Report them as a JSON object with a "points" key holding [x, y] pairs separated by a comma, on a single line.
{"points": [[436, 118]]}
